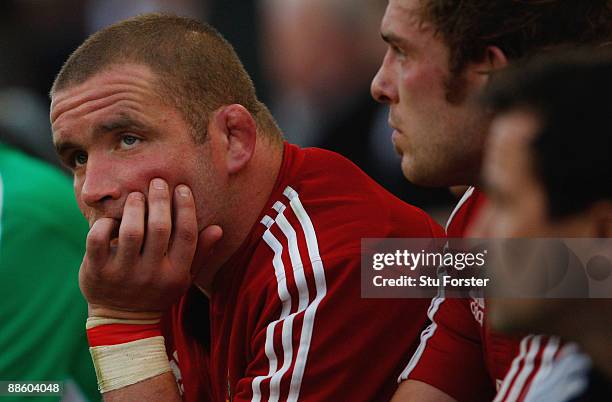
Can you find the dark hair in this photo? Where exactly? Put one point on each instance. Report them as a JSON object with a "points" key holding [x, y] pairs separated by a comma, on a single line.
{"points": [[518, 27], [570, 95], [197, 69]]}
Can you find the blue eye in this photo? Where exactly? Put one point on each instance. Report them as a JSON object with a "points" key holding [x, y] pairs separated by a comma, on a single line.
{"points": [[128, 141]]}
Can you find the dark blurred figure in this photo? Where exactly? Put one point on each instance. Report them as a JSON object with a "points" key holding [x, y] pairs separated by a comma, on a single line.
{"points": [[547, 172], [35, 38]]}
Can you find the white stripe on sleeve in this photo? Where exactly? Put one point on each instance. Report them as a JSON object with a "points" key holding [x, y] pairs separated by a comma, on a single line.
{"points": [[308, 309], [509, 378], [321, 288], [285, 297], [528, 367]]}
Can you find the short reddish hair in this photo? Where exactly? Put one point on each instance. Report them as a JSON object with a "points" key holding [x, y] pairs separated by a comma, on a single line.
{"points": [[198, 69]]}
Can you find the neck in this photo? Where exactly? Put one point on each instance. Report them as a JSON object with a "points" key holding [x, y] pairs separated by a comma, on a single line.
{"points": [[250, 193]]}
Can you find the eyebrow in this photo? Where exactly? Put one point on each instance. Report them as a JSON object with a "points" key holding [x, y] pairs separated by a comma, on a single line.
{"points": [[123, 121], [62, 147], [390, 37], [395, 40]]}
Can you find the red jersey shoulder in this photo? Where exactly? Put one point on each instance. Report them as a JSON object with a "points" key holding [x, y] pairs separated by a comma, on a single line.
{"points": [[352, 205]]}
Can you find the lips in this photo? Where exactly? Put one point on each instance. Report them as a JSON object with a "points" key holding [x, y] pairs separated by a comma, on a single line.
{"points": [[392, 125], [394, 139], [392, 122]]}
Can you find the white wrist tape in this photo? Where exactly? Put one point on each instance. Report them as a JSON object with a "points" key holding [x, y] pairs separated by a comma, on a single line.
{"points": [[121, 364]]}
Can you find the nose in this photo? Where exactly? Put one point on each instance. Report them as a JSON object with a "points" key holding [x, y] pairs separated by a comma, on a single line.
{"points": [[99, 184], [383, 85]]}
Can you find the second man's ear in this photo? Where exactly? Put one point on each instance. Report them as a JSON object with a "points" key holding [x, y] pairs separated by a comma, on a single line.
{"points": [[493, 59], [238, 135]]}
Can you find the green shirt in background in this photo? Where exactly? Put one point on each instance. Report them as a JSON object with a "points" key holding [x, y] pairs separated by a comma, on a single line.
{"points": [[42, 312]]}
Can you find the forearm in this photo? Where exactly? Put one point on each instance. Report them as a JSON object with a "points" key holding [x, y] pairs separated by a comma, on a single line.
{"points": [[161, 388]]}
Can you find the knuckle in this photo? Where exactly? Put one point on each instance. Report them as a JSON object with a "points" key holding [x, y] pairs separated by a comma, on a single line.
{"points": [[187, 236], [95, 239], [160, 228], [133, 235]]}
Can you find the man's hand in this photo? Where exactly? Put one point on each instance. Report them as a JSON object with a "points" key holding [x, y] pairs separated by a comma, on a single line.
{"points": [[148, 268]]}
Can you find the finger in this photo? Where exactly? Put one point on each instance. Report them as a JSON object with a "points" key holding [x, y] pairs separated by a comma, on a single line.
{"points": [[207, 240], [98, 242], [185, 230], [131, 231], [159, 224]]}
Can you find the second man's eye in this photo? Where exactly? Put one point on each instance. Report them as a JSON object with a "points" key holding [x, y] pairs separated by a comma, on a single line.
{"points": [[398, 51]]}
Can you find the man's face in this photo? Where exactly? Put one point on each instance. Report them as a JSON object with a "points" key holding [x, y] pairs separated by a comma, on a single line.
{"points": [[517, 203], [440, 142], [116, 135], [517, 208]]}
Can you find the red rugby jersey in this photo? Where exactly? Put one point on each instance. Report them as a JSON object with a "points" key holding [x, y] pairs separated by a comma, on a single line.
{"points": [[460, 355], [286, 318]]}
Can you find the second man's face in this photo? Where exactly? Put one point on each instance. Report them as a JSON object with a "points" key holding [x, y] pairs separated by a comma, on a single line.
{"points": [[440, 141], [517, 203]]}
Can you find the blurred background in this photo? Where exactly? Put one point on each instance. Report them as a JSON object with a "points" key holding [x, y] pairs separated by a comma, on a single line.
{"points": [[312, 62]]}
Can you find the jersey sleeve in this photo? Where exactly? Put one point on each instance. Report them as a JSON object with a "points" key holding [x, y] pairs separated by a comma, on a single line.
{"points": [[450, 354], [335, 347]]}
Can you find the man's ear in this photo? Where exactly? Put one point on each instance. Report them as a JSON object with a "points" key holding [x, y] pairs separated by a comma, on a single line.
{"points": [[238, 135], [494, 59]]}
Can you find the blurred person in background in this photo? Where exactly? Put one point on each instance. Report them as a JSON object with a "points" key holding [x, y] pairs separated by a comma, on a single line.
{"points": [[320, 56], [42, 242], [24, 123], [101, 13], [440, 55], [547, 173]]}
